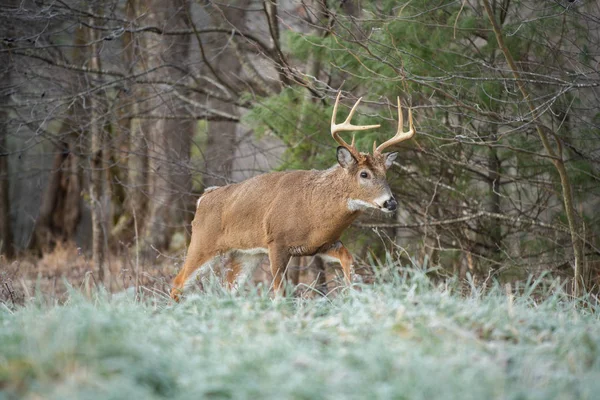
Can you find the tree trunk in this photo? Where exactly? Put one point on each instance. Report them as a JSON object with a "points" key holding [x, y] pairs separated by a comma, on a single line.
{"points": [[6, 238], [136, 161], [495, 227], [557, 159], [60, 209], [96, 200], [220, 148], [96, 162], [168, 139], [222, 138]]}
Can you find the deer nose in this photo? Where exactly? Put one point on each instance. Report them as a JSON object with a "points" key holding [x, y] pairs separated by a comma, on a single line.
{"points": [[391, 204]]}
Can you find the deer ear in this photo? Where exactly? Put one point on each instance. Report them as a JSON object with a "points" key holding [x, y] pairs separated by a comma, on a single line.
{"points": [[345, 158], [389, 159]]}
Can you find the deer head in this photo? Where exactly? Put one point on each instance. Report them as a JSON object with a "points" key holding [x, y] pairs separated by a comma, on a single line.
{"points": [[365, 173]]}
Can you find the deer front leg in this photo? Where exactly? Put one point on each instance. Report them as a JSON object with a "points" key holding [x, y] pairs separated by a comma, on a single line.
{"points": [[292, 272], [195, 259], [338, 253], [278, 258]]}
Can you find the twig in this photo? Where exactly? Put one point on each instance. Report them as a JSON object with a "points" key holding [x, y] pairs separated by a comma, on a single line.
{"points": [[10, 292]]}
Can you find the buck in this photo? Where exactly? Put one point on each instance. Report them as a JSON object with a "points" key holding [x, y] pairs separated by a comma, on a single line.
{"points": [[291, 213]]}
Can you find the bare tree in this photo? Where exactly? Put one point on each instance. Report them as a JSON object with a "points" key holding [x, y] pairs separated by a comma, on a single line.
{"points": [[97, 185], [6, 241], [217, 52], [499, 182]]}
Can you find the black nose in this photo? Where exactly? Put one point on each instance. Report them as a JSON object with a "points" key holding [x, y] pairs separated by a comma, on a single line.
{"points": [[391, 204]]}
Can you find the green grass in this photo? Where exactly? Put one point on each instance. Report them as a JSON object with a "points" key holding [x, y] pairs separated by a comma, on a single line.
{"points": [[405, 339]]}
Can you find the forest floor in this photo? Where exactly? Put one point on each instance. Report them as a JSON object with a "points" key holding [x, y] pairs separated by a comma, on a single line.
{"points": [[66, 267], [403, 337]]}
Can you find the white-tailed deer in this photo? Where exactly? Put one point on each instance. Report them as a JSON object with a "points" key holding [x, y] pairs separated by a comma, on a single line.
{"points": [[292, 213]]}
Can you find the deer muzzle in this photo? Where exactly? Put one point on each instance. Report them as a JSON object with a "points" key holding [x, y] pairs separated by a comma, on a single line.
{"points": [[390, 204]]}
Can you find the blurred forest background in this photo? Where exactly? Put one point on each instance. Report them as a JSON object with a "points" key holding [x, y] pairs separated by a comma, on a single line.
{"points": [[116, 114]]}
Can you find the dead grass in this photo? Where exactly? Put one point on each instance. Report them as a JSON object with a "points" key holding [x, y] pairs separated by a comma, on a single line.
{"points": [[68, 265]]}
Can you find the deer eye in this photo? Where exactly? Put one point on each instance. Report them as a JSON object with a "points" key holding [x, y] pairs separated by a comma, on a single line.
{"points": [[364, 174]]}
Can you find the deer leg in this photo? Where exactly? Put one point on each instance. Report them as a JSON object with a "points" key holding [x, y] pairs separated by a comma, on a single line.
{"points": [[240, 269], [293, 270], [194, 260], [338, 253], [278, 258], [319, 265], [233, 270]]}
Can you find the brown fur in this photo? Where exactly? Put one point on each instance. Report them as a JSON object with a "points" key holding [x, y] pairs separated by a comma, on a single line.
{"points": [[294, 213], [287, 213]]}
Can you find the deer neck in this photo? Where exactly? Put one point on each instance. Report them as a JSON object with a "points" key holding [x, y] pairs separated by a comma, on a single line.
{"points": [[334, 190]]}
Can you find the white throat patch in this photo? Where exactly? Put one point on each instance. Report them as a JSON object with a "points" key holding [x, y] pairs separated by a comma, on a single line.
{"points": [[359, 205]]}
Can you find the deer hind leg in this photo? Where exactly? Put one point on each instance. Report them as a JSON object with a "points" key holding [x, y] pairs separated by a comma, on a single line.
{"points": [[240, 269], [233, 269], [278, 258], [338, 253], [320, 268]]}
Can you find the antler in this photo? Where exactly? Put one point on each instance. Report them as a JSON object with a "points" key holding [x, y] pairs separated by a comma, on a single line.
{"points": [[347, 126], [399, 136]]}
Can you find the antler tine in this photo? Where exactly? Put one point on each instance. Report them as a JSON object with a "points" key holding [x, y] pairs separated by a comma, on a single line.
{"points": [[347, 126], [399, 136]]}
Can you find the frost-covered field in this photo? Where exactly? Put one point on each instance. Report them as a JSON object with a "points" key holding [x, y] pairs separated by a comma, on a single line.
{"points": [[407, 339]]}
